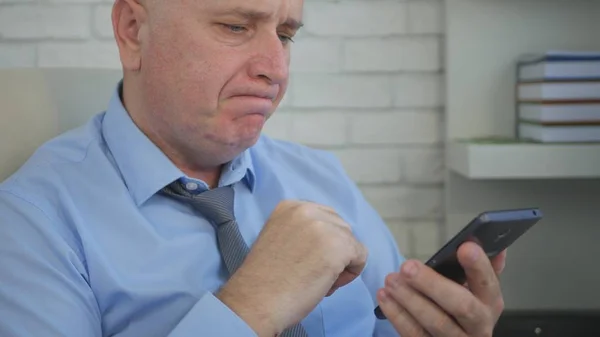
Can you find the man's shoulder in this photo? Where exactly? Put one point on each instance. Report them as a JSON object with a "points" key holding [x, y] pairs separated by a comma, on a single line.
{"points": [[39, 196], [55, 161]]}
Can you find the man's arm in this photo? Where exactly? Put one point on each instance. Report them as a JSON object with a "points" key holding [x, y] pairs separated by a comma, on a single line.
{"points": [[43, 290], [44, 286]]}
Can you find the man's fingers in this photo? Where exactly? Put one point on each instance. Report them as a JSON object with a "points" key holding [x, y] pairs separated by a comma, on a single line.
{"points": [[344, 278], [424, 311], [357, 257], [329, 214], [354, 268], [453, 298], [357, 252], [481, 276], [400, 319], [361, 254], [498, 262]]}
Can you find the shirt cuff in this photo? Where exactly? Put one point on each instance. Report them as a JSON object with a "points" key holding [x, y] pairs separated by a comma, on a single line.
{"points": [[211, 317]]}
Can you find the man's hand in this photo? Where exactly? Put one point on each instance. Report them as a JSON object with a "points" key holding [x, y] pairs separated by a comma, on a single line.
{"points": [[420, 302], [304, 253]]}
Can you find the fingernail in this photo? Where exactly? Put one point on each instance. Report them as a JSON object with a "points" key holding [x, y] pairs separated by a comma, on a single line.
{"points": [[394, 281], [474, 254], [383, 296], [410, 269]]}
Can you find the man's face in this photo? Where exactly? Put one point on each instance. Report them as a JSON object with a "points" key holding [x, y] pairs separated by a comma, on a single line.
{"points": [[213, 71]]}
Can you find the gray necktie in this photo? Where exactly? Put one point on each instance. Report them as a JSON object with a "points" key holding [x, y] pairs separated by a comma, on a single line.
{"points": [[217, 206]]}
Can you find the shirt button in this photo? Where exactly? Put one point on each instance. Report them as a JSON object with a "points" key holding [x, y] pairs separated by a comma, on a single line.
{"points": [[191, 186]]}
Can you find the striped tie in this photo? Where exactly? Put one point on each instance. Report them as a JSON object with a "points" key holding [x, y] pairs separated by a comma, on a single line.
{"points": [[217, 206]]}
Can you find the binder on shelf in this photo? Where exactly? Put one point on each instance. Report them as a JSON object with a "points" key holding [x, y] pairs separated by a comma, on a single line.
{"points": [[553, 114], [583, 91], [559, 65]]}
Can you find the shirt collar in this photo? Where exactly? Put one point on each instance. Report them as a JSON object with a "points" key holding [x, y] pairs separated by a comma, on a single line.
{"points": [[144, 167]]}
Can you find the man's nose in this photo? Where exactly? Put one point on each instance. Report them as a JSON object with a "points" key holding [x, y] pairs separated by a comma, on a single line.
{"points": [[271, 60]]}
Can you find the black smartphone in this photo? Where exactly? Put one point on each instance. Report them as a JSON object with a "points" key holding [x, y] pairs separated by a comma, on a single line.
{"points": [[494, 231]]}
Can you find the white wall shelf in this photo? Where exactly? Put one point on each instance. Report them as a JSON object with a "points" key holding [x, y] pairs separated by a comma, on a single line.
{"points": [[513, 160]]}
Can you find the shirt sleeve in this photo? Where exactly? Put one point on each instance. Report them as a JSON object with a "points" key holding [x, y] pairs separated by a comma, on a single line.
{"points": [[44, 286], [210, 317]]}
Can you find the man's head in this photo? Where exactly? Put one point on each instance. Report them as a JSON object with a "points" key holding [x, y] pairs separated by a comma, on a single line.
{"points": [[202, 76]]}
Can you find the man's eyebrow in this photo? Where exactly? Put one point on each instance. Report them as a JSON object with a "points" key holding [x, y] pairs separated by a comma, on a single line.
{"points": [[252, 14]]}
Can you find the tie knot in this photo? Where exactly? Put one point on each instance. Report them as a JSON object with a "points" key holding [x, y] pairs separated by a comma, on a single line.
{"points": [[216, 204]]}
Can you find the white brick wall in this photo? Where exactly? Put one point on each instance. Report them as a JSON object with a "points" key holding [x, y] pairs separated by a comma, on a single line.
{"points": [[367, 83]]}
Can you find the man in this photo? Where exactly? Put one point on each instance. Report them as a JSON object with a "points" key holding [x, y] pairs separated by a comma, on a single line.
{"points": [[106, 230]]}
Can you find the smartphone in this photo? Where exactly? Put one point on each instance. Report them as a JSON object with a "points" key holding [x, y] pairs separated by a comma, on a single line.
{"points": [[494, 231]]}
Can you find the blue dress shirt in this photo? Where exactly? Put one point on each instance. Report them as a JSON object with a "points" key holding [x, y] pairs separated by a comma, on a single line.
{"points": [[88, 247]]}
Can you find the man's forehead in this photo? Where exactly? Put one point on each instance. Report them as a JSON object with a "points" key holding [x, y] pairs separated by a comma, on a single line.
{"points": [[290, 12], [287, 8]]}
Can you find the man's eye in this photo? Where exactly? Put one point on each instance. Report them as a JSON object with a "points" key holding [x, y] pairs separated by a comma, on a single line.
{"points": [[285, 39], [235, 28]]}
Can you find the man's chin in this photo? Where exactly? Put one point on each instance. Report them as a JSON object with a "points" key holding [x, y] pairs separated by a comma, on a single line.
{"points": [[250, 130], [250, 139], [244, 140]]}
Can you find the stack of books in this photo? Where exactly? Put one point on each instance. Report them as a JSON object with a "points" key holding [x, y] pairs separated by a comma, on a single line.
{"points": [[558, 97]]}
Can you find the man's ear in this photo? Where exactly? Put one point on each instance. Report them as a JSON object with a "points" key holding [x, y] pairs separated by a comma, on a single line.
{"points": [[129, 20]]}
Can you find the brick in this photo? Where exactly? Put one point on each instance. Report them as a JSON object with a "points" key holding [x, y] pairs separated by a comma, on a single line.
{"points": [[393, 54], [418, 90], [323, 128], [278, 126], [423, 165], [351, 91], [427, 237], [14, 56], [321, 55], [103, 21], [355, 18], [371, 165], [396, 201], [39, 22], [396, 127], [86, 55], [401, 232], [425, 17]]}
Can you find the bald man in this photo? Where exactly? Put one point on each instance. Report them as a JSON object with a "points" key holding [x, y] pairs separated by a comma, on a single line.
{"points": [[170, 214]]}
